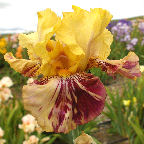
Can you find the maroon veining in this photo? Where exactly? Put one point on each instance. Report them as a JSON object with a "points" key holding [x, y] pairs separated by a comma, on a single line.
{"points": [[129, 64], [86, 107]]}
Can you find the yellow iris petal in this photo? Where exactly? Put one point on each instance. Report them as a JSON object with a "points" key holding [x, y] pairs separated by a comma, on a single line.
{"points": [[26, 67], [102, 17], [43, 51], [29, 41], [47, 24], [80, 28], [100, 46], [56, 58]]}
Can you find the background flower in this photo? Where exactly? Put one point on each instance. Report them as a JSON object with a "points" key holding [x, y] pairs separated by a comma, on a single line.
{"points": [[28, 124], [5, 94], [6, 82], [3, 46], [126, 102], [32, 140], [141, 27], [1, 133], [19, 52], [2, 141]]}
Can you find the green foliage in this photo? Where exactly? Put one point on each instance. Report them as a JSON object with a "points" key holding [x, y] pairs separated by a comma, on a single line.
{"points": [[139, 131], [127, 119], [118, 50], [11, 114], [102, 75]]}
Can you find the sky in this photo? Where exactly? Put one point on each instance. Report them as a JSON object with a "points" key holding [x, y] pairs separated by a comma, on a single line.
{"points": [[22, 14]]}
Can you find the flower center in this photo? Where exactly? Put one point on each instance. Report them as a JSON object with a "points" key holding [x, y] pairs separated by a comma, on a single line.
{"points": [[62, 64]]}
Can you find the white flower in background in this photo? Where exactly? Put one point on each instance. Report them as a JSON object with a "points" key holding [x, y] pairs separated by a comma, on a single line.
{"points": [[2, 141], [1, 133], [14, 45], [30, 80], [5, 94], [6, 82], [32, 140], [28, 124]]}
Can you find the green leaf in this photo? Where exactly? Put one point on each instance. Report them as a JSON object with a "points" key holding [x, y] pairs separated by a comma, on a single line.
{"points": [[138, 131]]}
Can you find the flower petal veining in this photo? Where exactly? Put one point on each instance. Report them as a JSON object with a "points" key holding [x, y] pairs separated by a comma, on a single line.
{"points": [[62, 103]]}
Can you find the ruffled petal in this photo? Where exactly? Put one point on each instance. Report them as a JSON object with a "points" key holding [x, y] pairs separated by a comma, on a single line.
{"points": [[128, 66], [100, 46], [48, 22], [60, 104], [79, 29], [56, 58], [27, 68], [29, 41]]}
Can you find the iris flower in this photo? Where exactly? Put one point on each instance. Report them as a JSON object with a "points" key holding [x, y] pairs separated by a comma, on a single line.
{"points": [[63, 95]]}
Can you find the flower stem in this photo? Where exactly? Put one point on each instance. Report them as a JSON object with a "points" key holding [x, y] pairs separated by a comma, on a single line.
{"points": [[75, 133]]}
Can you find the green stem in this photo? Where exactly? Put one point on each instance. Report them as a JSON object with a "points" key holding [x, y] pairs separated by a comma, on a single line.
{"points": [[75, 133]]}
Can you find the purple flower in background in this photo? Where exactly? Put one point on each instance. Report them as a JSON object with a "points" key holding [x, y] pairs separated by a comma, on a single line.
{"points": [[114, 29], [131, 43], [111, 24], [122, 31], [127, 38], [129, 47], [142, 42], [129, 23], [114, 23], [141, 26], [134, 41]]}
